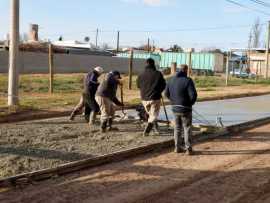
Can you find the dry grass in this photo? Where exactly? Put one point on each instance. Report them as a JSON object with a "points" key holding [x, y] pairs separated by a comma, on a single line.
{"points": [[34, 90]]}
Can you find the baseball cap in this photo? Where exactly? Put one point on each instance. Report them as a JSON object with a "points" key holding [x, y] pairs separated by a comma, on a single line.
{"points": [[99, 69], [116, 73]]}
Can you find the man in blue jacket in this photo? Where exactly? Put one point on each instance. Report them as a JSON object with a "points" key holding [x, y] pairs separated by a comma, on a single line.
{"points": [[182, 93], [88, 96]]}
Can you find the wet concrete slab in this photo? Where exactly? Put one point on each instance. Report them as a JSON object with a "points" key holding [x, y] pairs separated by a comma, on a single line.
{"points": [[231, 111]]}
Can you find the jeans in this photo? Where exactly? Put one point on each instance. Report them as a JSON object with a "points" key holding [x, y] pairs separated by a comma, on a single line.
{"points": [[182, 130]]}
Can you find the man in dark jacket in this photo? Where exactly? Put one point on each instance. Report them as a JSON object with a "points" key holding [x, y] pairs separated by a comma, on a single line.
{"points": [[88, 96], [106, 98], [151, 84], [182, 93]]}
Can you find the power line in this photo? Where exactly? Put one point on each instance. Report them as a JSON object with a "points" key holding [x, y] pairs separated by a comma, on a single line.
{"points": [[252, 9], [181, 30], [262, 3]]}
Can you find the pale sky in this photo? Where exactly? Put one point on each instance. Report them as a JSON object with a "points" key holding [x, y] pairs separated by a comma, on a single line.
{"points": [[188, 23]]}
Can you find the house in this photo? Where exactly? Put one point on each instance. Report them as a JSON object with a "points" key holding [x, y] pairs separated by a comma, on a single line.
{"points": [[257, 59]]}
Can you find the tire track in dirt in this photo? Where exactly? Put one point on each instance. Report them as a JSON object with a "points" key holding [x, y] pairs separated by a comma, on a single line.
{"points": [[237, 182]]}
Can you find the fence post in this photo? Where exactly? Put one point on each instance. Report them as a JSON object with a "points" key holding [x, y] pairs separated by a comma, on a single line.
{"points": [[51, 68], [227, 67], [173, 68], [190, 62], [130, 71]]}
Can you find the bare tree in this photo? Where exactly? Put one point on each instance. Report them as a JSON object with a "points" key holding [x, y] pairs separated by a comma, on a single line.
{"points": [[249, 40], [256, 31], [176, 48]]}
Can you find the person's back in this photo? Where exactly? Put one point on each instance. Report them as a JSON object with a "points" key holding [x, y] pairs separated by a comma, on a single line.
{"points": [[108, 88], [106, 98], [91, 83], [151, 83], [181, 92], [87, 99]]}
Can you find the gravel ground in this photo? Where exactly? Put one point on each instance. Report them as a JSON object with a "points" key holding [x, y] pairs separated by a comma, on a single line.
{"points": [[34, 145], [225, 170]]}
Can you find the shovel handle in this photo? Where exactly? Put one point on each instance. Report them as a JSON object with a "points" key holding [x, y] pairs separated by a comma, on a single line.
{"points": [[165, 110], [122, 97]]}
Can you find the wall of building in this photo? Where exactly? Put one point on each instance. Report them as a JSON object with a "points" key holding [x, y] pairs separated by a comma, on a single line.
{"points": [[200, 61], [31, 62], [219, 65], [257, 64]]}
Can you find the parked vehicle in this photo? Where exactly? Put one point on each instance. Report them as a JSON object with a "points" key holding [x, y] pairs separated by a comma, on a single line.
{"points": [[242, 74]]}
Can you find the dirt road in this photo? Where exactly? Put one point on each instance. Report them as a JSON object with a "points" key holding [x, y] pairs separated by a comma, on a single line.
{"points": [[228, 169]]}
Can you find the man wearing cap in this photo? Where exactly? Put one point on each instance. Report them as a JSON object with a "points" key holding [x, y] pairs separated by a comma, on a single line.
{"points": [[151, 84], [88, 97], [106, 98]]}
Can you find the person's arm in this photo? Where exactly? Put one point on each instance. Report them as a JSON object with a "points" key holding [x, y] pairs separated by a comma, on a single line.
{"points": [[114, 83], [93, 79], [162, 83], [192, 92], [167, 91], [117, 102]]}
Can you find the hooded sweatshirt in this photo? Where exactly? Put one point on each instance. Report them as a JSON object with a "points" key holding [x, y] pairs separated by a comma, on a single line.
{"points": [[91, 83], [108, 88], [151, 83], [182, 93]]}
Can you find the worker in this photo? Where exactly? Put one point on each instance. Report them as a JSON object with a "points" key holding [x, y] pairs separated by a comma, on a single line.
{"points": [[182, 94], [151, 84], [106, 98], [88, 96]]}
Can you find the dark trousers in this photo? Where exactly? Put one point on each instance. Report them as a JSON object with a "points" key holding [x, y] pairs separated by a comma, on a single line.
{"points": [[183, 130], [90, 105]]}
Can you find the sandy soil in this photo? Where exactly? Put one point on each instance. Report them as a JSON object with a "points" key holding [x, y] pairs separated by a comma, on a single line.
{"points": [[34, 145], [228, 169]]}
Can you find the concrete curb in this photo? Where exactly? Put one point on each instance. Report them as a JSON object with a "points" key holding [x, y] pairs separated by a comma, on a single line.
{"points": [[119, 156]]}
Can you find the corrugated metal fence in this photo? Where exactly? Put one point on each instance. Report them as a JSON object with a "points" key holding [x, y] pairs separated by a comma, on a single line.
{"points": [[200, 61]]}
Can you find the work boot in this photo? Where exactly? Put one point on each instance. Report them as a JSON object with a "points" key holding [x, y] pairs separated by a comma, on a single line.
{"points": [[147, 129], [189, 151], [103, 126], [92, 120], [155, 128], [86, 117], [110, 122], [179, 150]]}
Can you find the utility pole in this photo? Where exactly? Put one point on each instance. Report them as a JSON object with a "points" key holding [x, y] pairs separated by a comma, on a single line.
{"points": [[190, 62], [13, 77], [97, 38], [148, 44], [267, 51], [118, 36], [51, 68], [130, 70], [228, 67]]}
